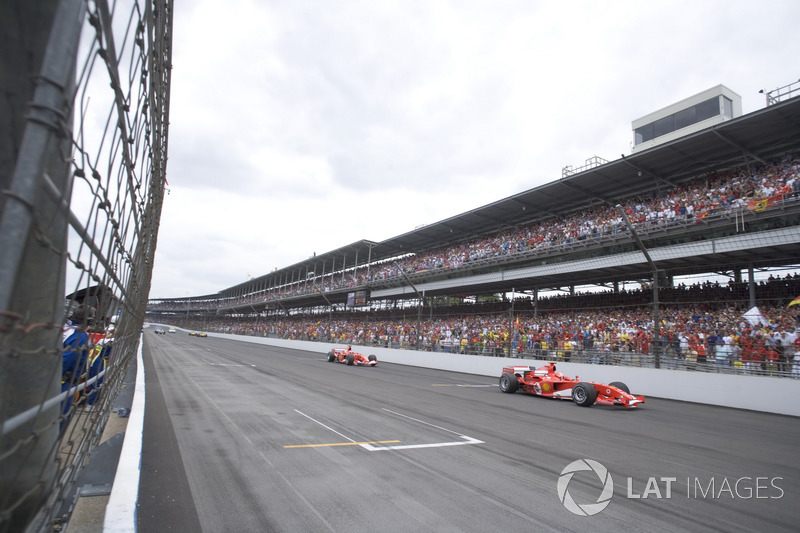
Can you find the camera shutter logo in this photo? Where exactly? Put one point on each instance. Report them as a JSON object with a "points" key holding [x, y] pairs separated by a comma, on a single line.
{"points": [[587, 509]]}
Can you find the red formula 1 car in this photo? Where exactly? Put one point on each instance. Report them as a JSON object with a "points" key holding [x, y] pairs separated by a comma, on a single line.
{"points": [[349, 357], [545, 381]]}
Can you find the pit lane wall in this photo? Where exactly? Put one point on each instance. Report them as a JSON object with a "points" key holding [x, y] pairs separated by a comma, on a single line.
{"points": [[758, 393]]}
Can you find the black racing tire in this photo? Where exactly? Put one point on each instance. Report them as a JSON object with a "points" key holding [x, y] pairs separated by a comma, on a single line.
{"points": [[373, 358], [331, 357], [620, 385], [509, 383], [584, 394], [350, 359]]}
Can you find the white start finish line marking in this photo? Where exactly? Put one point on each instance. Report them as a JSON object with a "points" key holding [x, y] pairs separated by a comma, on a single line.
{"points": [[370, 446], [466, 439]]}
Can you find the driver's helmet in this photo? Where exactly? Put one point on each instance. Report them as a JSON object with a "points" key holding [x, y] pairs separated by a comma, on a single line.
{"points": [[559, 375]]}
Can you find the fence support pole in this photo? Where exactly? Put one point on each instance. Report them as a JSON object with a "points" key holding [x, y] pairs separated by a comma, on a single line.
{"points": [[32, 236]]}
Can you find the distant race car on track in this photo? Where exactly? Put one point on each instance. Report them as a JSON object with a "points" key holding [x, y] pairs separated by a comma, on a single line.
{"points": [[545, 381], [349, 357]]}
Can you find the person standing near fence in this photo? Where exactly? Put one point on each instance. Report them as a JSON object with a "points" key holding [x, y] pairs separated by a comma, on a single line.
{"points": [[98, 355], [796, 343], [712, 341], [789, 336], [76, 344], [722, 352]]}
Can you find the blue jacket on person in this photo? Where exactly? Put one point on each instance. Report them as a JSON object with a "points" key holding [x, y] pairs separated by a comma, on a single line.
{"points": [[73, 362], [76, 350]]}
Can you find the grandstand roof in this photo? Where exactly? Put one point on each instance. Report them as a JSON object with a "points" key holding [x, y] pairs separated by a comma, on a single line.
{"points": [[344, 254]]}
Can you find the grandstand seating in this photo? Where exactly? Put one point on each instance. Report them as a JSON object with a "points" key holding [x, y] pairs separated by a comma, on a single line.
{"points": [[617, 322]]}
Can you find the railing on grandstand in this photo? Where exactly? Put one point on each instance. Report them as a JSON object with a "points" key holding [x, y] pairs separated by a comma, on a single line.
{"points": [[775, 96]]}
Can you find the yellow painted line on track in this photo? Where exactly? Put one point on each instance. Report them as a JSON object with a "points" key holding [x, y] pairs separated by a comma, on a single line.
{"points": [[340, 444]]}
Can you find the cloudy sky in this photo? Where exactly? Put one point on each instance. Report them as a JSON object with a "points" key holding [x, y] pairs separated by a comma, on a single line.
{"points": [[299, 126]]}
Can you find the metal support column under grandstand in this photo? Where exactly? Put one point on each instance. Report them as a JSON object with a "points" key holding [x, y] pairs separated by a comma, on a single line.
{"points": [[656, 316]]}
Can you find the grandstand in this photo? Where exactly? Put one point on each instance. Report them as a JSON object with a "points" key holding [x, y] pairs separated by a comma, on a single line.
{"points": [[719, 201]]}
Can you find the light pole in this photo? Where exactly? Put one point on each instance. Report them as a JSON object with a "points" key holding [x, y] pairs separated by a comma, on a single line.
{"points": [[511, 331]]}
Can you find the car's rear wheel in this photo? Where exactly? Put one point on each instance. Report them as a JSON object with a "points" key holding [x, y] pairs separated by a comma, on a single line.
{"points": [[584, 394], [350, 359], [331, 357], [620, 385], [509, 383]]}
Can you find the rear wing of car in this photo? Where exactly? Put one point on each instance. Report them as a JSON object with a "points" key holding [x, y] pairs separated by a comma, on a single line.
{"points": [[516, 370]]}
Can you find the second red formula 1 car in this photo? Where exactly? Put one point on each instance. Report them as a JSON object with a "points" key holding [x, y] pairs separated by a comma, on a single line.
{"points": [[545, 381], [349, 357]]}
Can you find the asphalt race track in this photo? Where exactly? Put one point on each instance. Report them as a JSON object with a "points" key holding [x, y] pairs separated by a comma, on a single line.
{"points": [[243, 437]]}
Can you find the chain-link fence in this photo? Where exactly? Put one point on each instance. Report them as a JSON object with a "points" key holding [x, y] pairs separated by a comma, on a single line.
{"points": [[83, 165]]}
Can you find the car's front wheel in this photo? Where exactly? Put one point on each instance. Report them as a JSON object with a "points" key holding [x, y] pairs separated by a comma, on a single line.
{"points": [[584, 394], [509, 383], [620, 385]]}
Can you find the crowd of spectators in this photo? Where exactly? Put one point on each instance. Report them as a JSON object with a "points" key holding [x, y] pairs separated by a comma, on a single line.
{"points": [[697, 200], [694, 329], [756, 187]]}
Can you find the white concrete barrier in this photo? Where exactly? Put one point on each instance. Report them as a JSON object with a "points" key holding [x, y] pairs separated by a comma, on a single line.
{"points": [[758, 393]]}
